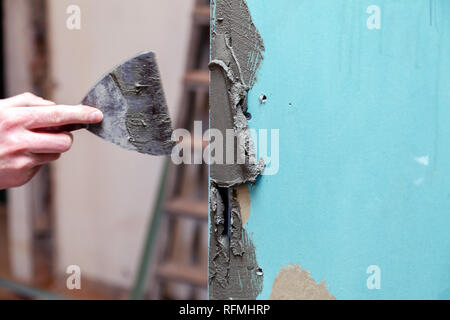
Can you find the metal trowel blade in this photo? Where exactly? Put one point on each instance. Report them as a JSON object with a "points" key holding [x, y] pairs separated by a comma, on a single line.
{"points": [[135, 114]]}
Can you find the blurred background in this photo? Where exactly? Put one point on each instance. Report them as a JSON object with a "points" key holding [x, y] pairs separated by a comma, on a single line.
{"points": [[135, 225]]}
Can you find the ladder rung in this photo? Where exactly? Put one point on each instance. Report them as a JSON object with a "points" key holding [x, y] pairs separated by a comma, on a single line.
{"points": [[195, 143], [196, 276], [197, 78], [201, 14], [188, 208]]}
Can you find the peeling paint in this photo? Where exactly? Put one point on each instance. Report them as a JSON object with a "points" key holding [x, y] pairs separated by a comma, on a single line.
{"points": [[295, 283]]}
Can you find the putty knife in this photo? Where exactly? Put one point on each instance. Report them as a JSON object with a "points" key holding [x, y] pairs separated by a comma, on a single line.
{"points": [[135, 114]]}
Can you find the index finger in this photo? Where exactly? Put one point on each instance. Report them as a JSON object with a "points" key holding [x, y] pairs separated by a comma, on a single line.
{"points": [[60, 115], [24, 100]]}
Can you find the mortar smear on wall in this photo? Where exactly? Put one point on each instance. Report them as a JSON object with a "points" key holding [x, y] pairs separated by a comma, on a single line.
{"points": [[236, 54], [233, 269]]}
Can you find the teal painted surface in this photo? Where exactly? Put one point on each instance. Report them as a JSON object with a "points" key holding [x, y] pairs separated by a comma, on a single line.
{"points": [[369, 107]]}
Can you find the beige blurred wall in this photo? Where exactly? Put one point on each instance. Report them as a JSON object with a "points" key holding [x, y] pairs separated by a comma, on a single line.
{"points": [[103, 195], [17, 55]]}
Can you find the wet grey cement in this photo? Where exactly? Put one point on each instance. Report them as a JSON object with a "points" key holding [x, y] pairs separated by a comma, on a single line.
{"points": [[236, 54], [233, 269]]}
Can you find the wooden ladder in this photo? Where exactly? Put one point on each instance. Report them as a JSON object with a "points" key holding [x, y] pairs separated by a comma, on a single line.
{"points": [[180, 268]]}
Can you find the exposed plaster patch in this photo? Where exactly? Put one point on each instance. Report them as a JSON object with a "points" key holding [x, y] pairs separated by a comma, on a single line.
{"points": [[243, 197], [295, 283]]}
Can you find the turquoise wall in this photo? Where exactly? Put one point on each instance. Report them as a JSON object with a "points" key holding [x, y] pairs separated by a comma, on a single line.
{"points": [[364, 119]]}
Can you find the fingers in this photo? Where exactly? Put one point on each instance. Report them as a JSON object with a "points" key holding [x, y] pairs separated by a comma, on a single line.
{"points": [[44, 158], [66, 128], [26, 176], [54, 116], [48, 143], [25, 100]]}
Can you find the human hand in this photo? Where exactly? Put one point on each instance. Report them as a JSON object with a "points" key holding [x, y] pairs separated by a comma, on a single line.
{"points": [[31, 136]]}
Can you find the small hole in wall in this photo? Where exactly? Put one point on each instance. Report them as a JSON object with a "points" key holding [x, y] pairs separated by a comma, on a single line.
{"points": [[259, 271], [290, 104], [248, 115], [262, 98]]}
